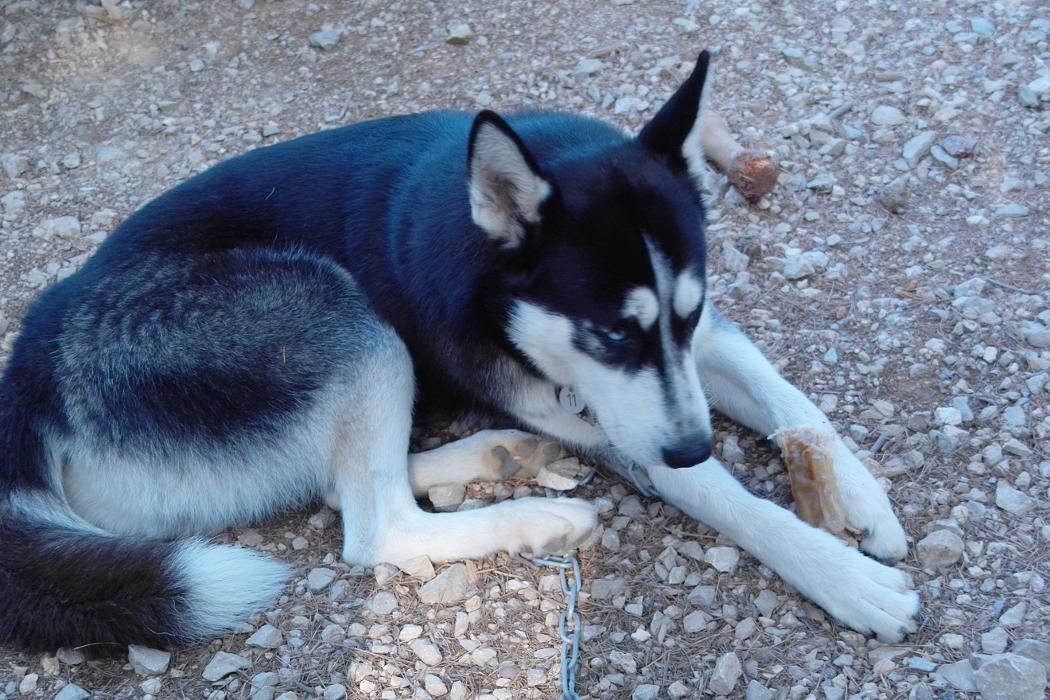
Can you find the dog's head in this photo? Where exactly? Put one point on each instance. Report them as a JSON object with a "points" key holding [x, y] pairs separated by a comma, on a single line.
{"points": [[602, 263]]}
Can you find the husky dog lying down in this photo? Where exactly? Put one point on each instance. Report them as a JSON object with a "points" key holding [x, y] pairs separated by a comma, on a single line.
{"points": [[254, 339]]}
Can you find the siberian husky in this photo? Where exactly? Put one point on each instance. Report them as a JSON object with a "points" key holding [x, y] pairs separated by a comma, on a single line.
{"points": [[255, 339]]}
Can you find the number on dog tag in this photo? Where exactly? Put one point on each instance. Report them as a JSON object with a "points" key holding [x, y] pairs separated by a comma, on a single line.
{"points": [[570, 401]]}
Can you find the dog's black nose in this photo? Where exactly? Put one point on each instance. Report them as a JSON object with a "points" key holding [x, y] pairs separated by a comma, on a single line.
{"points": [[690, 451]]}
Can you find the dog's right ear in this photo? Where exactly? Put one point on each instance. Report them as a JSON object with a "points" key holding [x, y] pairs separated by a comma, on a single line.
{"points": [[507, 188]]}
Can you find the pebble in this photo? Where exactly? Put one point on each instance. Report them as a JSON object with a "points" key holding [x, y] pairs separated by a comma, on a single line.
{"points": [[587, 67], [62, 227], [459, 33], [420, 567], [1012, 210], [72, 691], [321, 519], [266, 637], [447, 497], [561, 475], [383, 603], [802, 265], [994, 641], [1010, 677], [450, 586], [318, 579], [917, 146], [326, 39], [725, 675], [757, 691], [15, 165], [148, 662], [434, 685], [885, 115], [695, 621], [28, 684], [608, 588], [70, 656], [646, 691], [151, 686], [336, 691], [1011, 500], [1014, 616], [958, 146], [426, 650], [943, 157], [939, 549], [959, 675], [223, 664], [410, 632], [894, 196], [723, 559]]}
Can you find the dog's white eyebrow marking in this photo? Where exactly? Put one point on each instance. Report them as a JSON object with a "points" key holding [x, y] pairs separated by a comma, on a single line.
{"points": [[688, 291], [642, 304]]}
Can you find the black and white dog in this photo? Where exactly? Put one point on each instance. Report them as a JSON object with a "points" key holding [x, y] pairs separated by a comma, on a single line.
{"points": [[254, 339]]}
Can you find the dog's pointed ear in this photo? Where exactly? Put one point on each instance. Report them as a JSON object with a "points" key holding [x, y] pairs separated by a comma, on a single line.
{"points": [[674, 133], [507, 189]]}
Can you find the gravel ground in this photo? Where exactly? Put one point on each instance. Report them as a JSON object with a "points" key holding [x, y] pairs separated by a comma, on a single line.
{"points": [[899, 272]]}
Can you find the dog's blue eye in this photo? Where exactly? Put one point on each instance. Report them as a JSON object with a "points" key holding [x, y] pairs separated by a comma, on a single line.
{"points": [[615, 335]]}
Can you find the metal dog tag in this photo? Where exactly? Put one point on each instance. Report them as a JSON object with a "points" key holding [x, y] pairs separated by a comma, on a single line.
{"points": [[570, 401]]}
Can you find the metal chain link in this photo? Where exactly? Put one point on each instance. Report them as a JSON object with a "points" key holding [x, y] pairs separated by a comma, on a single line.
{"points": [[569, 624]]}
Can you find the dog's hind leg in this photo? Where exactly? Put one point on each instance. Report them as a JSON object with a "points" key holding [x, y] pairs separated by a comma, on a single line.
{"points": [[488, 455], [369, 472], [742, 384]]}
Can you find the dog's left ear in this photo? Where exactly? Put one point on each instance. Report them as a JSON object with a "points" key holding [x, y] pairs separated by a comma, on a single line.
{"points": [[507, 188], [674, 132]]}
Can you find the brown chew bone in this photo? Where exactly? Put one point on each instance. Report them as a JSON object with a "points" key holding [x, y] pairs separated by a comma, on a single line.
{"points": [[812, 476], [752, 172]]}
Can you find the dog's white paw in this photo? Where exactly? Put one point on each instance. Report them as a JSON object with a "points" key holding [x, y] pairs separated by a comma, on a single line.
{"points": [[868, 509], [552, 525], [856, 590]]}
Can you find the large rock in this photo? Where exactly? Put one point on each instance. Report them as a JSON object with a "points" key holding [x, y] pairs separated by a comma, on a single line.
{"points": [[1034, 649], [1009, 677]]}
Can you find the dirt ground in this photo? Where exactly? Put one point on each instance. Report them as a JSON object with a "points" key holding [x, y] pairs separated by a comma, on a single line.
{"points": [[898, 274]]}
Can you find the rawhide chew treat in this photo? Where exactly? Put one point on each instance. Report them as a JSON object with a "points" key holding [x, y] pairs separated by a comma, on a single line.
{"points": [[752, 172], [812, 476]]}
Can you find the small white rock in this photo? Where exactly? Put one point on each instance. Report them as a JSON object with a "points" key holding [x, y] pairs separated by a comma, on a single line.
{"points": [[148, 662], [266, 637], [318, 579], [383, 603], [427, 651], [223, 664], [459, 33], [434, 685], [723, 559], [724, 677], [72, 691]]}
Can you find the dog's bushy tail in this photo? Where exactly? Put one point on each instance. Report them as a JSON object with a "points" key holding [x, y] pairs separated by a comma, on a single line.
{"points": [[64, 582]]}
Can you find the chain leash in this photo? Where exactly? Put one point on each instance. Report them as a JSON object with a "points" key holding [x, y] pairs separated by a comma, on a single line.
{"points": [[569, 624]]}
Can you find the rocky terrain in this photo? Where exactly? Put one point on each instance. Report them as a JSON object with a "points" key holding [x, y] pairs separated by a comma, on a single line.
{"points": [[899, 273]]}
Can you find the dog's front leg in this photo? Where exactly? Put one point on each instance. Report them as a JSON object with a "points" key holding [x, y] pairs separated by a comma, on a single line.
{"points": [[856, 590], [741, 384]]}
